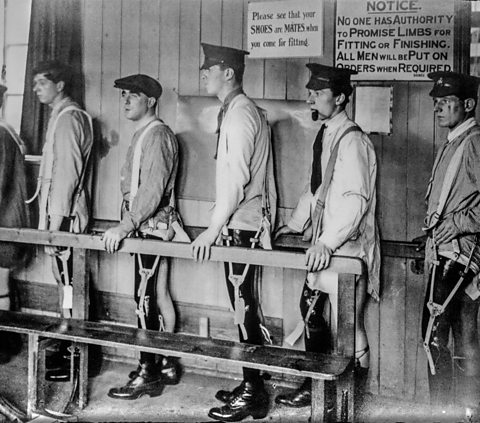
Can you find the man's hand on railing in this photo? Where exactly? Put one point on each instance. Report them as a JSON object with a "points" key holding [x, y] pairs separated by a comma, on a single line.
{"points": [[421, 241], [200, 247], [112, 238], [318, 257]]}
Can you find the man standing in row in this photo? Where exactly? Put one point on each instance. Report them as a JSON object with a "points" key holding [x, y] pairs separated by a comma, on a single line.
{"points": [[244, 189], [148, 211], [337, 211], [63, 184], [452, 251]]}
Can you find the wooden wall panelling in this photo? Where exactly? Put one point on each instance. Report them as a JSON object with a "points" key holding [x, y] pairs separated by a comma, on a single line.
{"points": [[275, 79], [92, 69], [189, 80], [393, 191], [211, 28], [169, 58], [150, 38], [297, 78], [392, 327], [420, 138], [107, 195], [253, 81], [233, 23]]}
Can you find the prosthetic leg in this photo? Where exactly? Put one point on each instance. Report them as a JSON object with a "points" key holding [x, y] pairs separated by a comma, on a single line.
{"points": [[146, 380], [58, 364], [250, 397], [447, 306], [317, 339]]}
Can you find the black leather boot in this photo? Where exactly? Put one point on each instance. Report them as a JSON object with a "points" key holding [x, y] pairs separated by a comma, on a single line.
{"points": [[251, 401], [147, 382], [227, 396], [168, 367], [301, 397]]}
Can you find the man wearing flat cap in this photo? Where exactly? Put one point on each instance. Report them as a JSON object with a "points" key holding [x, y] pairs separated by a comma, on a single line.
{"points": [[244, 211], [452, 253], [64, 184], [337, 212], [148, 211]]}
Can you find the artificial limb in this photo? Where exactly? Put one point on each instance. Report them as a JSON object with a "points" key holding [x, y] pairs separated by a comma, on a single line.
{"points": [[249, 398]]}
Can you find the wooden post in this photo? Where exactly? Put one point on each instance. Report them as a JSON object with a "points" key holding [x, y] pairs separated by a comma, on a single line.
{"points": [[318, 403], [81, 303], [32, 399], [346, 345]]}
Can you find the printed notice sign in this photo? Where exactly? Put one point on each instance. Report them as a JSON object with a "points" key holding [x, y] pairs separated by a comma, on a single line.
{"points": [[394, 39], [290, 28]]}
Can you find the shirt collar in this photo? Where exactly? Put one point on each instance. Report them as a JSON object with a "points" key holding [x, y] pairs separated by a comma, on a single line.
{"points": [[230, 96], [336, 121], [60, 105], [460, 129]]}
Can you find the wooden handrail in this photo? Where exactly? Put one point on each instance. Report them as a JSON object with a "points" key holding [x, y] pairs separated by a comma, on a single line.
{"points": [[275, 258]]}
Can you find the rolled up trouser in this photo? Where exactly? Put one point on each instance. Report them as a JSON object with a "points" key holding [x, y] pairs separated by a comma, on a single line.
{"points": [[151, 309], [460, 315], [318, 336], [247, 292]]}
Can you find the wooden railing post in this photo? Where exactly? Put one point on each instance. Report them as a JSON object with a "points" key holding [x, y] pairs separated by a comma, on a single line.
{"points": [[80, 310]]}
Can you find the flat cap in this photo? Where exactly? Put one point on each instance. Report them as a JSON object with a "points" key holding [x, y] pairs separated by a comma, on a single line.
{"points": [[140, 83], [322, 77], [215, 55], [453, 83]]}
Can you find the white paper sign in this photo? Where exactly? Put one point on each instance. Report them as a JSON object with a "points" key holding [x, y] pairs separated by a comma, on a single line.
{"points": [[373, 109], [394, 39], [291, 28]]}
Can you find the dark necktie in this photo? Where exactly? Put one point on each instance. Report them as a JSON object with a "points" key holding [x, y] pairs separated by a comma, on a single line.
{"points": [[316, 178], [220, 117]]}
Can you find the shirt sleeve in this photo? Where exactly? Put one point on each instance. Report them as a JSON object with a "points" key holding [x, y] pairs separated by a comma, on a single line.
{"points": [[347, 200], [300, 217], [157, 163], [235, 172], [69, 137], [468, 219]]}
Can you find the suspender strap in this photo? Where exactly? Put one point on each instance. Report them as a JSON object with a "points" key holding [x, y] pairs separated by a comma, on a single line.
{"points": [[135, 180], [320, 206]]}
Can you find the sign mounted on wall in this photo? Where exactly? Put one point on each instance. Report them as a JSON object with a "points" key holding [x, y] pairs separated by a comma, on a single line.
{"points": [[290, 28], [394, 39]]}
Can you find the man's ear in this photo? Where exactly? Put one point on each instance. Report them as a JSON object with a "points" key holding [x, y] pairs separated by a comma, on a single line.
{"points": [[469, 104], [151, 101], [60, 86], [229, 73], [339, 99]]}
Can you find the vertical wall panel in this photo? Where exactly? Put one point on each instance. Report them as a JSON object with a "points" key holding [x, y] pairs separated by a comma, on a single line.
{"points": [[189, 47], [211, 27], [253, 82], [275, 79], [169, 58], [297, 78], [150, 37], [420, 155], [232, 24], [392, 327]]}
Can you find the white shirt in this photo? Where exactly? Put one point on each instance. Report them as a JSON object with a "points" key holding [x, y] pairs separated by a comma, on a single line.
{"points": [[348, 226]]}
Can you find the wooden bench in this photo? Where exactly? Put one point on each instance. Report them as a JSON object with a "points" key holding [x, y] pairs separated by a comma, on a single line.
{"points": [[337, 367]]}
